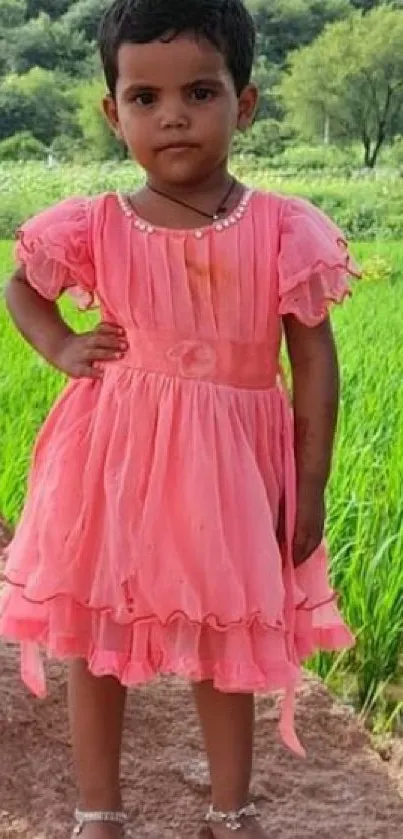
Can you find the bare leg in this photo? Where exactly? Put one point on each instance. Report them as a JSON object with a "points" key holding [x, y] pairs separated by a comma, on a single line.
{"points": [[227, 722], [96, 708]]}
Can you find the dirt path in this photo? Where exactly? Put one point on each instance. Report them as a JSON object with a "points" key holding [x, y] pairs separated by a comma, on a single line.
{"points": [[344, 790]]}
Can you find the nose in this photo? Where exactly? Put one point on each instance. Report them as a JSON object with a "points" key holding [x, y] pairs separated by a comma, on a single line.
{"points": [[174, 115]]}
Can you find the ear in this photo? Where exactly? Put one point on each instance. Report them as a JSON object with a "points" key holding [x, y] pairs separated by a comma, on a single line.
{"points": [[110, 110], [247, 106]]}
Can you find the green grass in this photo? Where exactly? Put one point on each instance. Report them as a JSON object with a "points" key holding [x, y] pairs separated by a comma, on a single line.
{"points": [[365, 499], [6, 259], [365, 526]]}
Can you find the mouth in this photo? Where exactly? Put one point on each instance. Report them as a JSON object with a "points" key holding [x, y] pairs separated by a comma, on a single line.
{"points": [[177, 147]]}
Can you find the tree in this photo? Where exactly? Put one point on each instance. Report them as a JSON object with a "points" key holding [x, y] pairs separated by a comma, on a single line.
{"points": [[4, 57], [267, 78], [367, 5], [52, 46], [96, 133], [17, 112], [38, 102], [12, 13], [349, 83], [285, 25], [53, 8], [22, 146], [265, 139], [85, 16]]}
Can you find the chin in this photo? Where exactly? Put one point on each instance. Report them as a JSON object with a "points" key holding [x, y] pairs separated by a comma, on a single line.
{"points": [[182, 175]]}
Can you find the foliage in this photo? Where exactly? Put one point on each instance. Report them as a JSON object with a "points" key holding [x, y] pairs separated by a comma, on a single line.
{"points": [[38, 102], [12, 13], [53, 8], [377, 269], [393, 155], [285, 25], [84, 16], [265, 139], [365, 506], [359, 90], [47, 44], [267, 77], [66, 149], [67, 30], [365, 5], [22, 146], [302, 158], [97, 136]]}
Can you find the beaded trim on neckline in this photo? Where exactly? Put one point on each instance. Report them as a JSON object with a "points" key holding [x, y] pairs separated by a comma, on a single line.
{"points": [[220, 225]]}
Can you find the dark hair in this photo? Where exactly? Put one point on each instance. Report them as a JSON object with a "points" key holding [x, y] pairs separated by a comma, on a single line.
{"points": [[225, 23]]}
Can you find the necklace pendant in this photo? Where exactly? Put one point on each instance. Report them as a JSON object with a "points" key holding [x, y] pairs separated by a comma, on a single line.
{"points": [[221, 210]]}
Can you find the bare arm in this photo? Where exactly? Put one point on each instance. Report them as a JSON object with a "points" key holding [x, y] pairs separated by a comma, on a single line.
{"points": [[42, 325], [315, 376]]}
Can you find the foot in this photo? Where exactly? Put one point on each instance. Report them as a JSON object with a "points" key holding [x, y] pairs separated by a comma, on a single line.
{"points": [[251, 829]]}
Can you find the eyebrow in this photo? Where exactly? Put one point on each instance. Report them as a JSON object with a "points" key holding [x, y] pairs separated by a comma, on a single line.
{"points": [[207, 80], [135, 87]]}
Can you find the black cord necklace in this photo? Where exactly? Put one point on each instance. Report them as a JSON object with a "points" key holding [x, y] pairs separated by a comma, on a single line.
{"points": [[220, 211]]}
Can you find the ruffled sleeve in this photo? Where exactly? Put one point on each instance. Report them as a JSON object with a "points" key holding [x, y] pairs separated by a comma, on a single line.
{"points": [[54, 247], [314, 263]]}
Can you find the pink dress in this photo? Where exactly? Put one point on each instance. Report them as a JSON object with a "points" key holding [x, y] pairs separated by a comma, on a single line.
{"points": [[148, 540]]}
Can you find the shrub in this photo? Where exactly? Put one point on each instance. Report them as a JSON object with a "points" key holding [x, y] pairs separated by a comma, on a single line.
{"points": [[301, 158], [264, 139], [393, 154], [22, 146], [377, 269]]}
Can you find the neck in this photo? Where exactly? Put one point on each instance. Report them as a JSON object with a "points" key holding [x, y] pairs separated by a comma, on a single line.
{"points": [[216, 183]]}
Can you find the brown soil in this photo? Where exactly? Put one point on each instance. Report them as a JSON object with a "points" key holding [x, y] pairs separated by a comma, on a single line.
{"points": [[344, 790]]}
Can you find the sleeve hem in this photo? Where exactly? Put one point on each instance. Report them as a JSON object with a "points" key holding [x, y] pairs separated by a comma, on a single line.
{"points": [[54, 250]]}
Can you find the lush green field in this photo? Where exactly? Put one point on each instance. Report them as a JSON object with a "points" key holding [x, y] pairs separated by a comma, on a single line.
{"points": [[365, 500]]}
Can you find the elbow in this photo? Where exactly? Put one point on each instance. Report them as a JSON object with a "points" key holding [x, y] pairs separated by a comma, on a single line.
{"points": [[17, 280], [9, 294], [19, 277]]}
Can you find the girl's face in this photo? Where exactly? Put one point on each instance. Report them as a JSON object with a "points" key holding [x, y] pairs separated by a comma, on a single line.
{"points": [[176, 108]]}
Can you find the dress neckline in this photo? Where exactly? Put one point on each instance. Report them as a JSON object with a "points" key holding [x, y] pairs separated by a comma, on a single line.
{"points": [[219, 226]]}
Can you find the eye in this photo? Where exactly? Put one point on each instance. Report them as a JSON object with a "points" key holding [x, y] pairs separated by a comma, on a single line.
{"points": [[202, 94], [145, 99]]}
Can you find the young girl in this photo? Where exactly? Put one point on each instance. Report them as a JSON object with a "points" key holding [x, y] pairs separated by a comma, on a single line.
{"points": [[171, 527]]}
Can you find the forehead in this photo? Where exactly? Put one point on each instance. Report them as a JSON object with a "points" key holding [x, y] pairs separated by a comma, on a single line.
{"points": [[172, 63]]}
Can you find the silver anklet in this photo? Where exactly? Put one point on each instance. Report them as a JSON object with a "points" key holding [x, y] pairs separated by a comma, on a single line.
{"points": [[234, 818], [83, 817]]}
